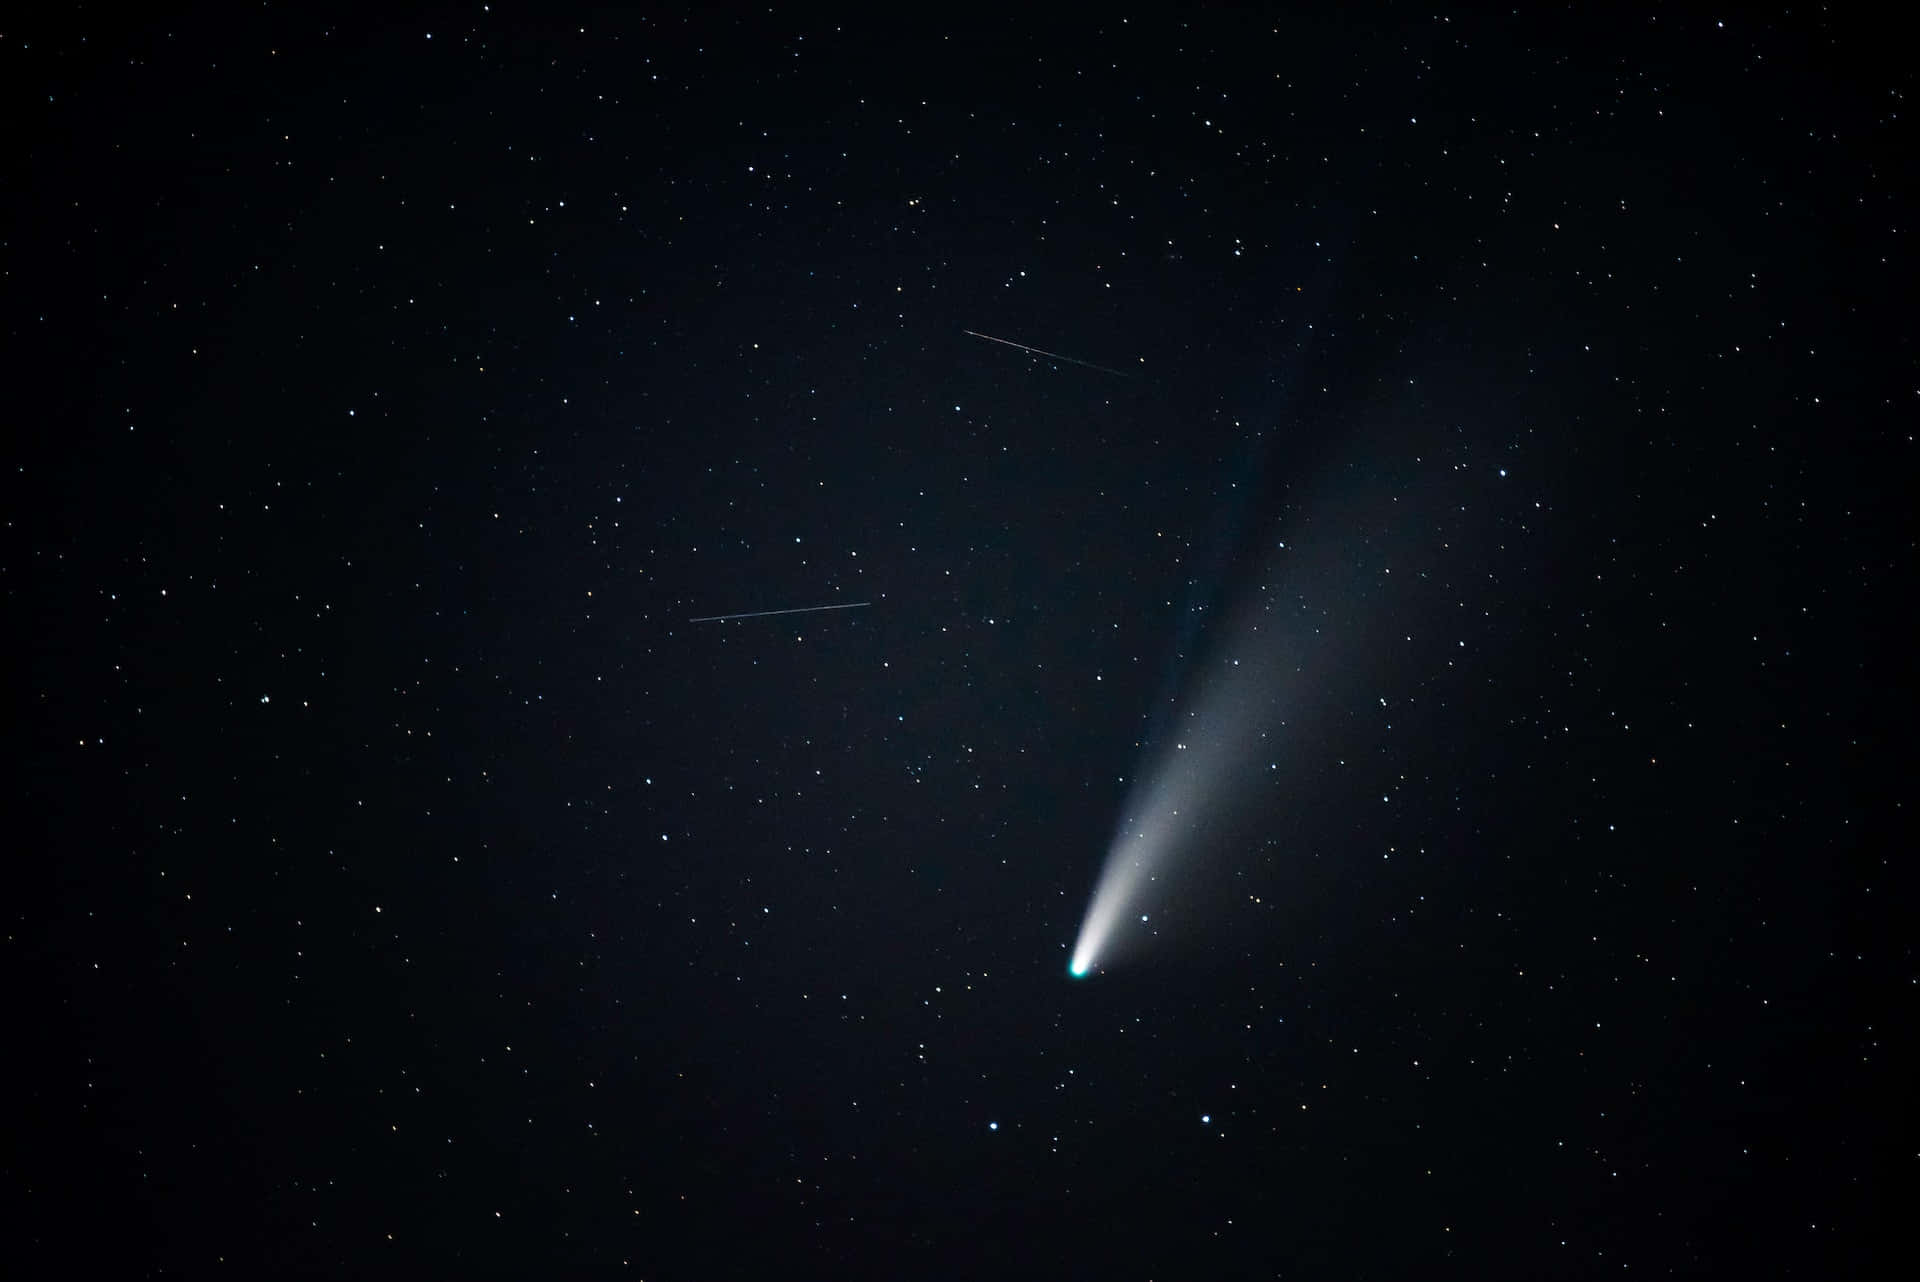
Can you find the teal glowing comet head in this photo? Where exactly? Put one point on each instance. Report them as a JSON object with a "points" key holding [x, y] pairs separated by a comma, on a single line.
{"points": [[1077, 968]]}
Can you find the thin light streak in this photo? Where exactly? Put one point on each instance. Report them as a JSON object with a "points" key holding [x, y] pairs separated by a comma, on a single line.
{"points": [[1052, 356], [767, 614]]}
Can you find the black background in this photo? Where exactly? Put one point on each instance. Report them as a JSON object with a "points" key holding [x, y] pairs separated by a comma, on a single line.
{"points": [[404, 886]]}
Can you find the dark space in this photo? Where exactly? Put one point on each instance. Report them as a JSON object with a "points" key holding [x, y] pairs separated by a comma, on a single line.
{"points": [[415, 879]]}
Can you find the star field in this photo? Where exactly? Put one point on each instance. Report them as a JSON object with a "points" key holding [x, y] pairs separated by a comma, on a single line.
{"points": [[568, 709]]}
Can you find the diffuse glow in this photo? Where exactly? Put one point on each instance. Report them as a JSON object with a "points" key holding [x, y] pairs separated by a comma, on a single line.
{"points": [[1108, 898], [1308, 632], [1189, 793], [1128, 873]]}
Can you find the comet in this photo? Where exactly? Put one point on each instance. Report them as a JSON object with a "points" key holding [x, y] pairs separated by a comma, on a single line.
{"points": [[1128, 879], [1207, 774]]}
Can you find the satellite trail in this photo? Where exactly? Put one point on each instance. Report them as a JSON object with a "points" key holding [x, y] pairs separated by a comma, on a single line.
{"points": [[1052, 356], [764, 614]]}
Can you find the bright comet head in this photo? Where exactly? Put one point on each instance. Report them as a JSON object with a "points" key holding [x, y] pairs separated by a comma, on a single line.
{"points": [[1119, 886]]}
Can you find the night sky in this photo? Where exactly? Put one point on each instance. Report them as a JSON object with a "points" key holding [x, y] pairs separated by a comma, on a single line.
{"points": [[1469, 463]]}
